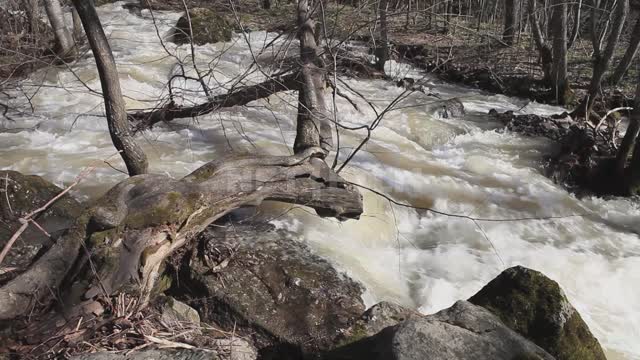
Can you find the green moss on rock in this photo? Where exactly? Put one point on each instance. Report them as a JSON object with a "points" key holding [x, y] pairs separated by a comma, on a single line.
{"points": [[537, 308], [207, 27]]}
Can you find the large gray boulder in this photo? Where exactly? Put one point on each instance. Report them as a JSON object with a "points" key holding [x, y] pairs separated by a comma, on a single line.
{"points": [[21, 194], [462, 332], [264, 283], [536, 307]]}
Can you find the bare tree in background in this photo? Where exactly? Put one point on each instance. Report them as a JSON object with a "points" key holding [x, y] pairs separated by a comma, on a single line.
{"points": [[64, 40], [629, 56], [558, 29], [631, 138], [510, 21], [119, 129], [382, 48], [603, 56], [32, 10], [553, 57]]}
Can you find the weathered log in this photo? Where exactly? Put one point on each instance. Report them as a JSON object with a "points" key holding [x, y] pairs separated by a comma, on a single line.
{"points": [[120, 243]]}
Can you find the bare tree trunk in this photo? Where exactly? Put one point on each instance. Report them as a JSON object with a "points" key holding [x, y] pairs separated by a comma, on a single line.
{"points": [[576, 25], [629, 55], [510, 21], [119, 129], [594, 20], [631, 137], [559, 31], [64, 41], [32, 9], [447, 16], [603, 59], [382, 50], [77, 27], [546, 56], [313, 126]]}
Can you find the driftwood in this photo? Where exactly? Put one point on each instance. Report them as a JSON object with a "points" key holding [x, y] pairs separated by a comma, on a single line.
{"points": [[119, 244]]}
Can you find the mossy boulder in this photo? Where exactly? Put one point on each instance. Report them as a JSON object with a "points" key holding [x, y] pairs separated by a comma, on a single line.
{"points": [[207, 27], [21, 194], [536, 307]]}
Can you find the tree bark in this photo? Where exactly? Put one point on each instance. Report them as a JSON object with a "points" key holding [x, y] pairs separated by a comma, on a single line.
{"points": [[119, 128], [510, 21], [559, 31], [382, 50], [603, 58], [313, 124], [629, 56], [64, 41], [137, 224]]}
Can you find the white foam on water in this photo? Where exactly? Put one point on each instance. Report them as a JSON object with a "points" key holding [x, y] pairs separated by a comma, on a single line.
{"points": [[412, 257]]}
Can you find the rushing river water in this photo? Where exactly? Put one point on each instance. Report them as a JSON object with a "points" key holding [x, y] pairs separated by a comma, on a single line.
{"points": [[414, 258]]}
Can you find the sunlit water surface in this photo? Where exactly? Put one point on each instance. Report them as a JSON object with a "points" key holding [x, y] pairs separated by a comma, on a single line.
{"points": [[414, 258]]}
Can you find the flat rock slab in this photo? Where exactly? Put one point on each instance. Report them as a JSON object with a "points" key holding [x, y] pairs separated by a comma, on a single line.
{"points": [[265, 283]]}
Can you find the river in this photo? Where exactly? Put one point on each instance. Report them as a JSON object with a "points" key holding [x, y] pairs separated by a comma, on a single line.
{"points": [[414, 258]]}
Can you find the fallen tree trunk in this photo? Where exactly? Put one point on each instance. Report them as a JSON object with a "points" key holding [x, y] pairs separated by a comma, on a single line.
{"points": [[119, 244], [144, 120]]}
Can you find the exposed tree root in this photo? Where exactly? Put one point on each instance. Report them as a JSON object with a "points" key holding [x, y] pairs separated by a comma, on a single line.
{"points": [[120, 243]]}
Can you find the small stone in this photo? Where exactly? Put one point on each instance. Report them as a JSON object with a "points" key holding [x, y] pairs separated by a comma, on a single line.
{"points": [[177, 312]]}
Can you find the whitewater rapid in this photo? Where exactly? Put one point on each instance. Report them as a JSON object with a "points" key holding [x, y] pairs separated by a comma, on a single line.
{"points": [[414, 258]]}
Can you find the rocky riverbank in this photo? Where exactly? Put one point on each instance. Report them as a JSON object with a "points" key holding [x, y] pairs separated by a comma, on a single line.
{"points": [[584, 154], [249, 291]]}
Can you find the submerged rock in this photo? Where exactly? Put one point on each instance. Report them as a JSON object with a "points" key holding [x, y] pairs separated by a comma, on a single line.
{"points": [[537, 308], [207, 27], [21, 194], [452, 108], [264, 283], [462, 332]]}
